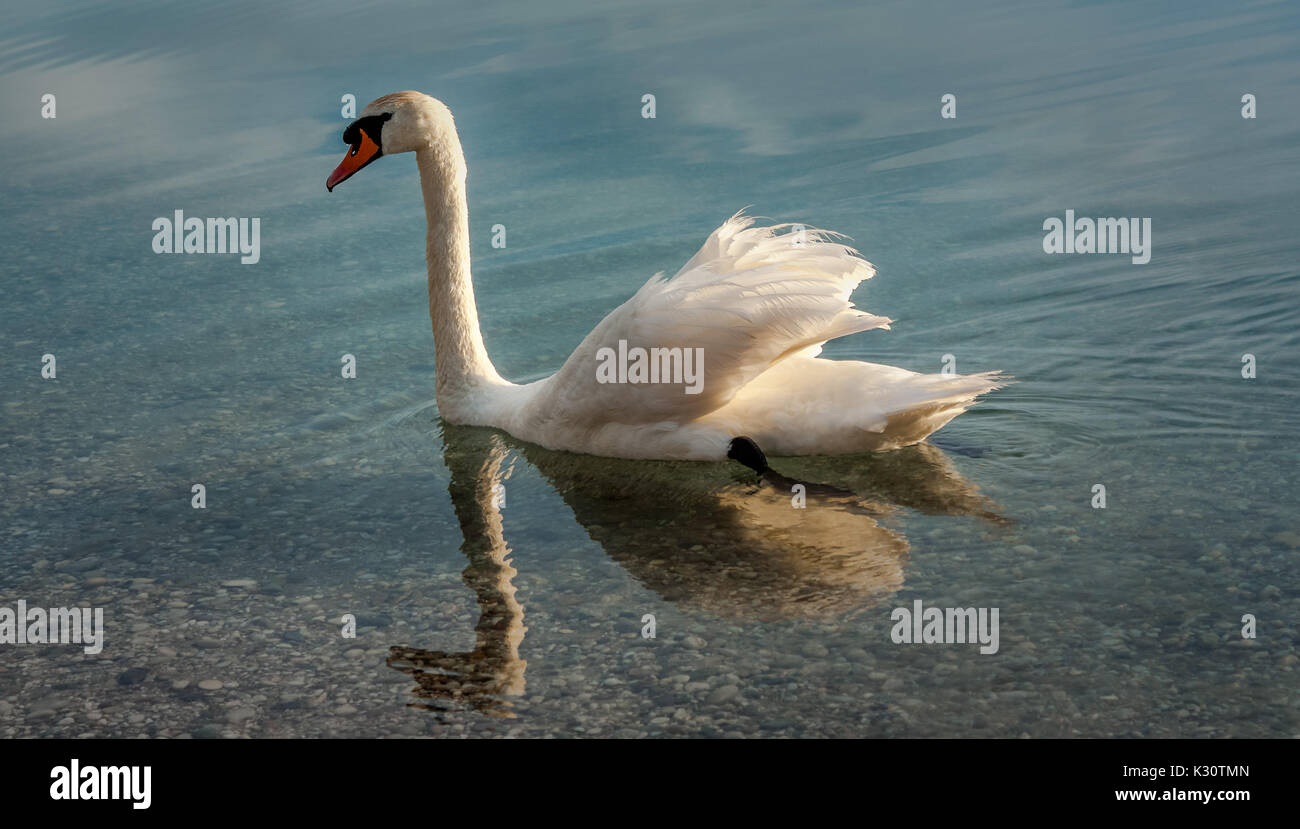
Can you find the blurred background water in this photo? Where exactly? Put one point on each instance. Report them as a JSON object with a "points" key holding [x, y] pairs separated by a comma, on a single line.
{"points": [[521, 614]]}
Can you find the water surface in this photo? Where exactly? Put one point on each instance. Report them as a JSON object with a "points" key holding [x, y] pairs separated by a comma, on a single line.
{"points": [[523, 616]]}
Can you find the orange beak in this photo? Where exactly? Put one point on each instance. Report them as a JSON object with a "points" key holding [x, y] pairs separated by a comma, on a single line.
{"points": [[359, 156]]}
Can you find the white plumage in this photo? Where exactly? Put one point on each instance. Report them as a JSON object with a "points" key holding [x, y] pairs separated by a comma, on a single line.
{"points": [[758, 301]]}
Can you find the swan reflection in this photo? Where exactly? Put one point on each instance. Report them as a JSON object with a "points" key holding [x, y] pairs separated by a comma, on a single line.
{"points": [[815, 542]]}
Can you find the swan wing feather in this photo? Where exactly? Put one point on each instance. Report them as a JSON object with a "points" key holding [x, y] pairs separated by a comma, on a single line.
{"points": [[751, 297]]}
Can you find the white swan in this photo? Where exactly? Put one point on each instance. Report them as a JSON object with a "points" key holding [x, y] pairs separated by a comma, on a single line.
{"points": [[759, 303]]}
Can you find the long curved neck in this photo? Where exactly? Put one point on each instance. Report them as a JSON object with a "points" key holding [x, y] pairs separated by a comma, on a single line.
{"points": [[463, 363]]}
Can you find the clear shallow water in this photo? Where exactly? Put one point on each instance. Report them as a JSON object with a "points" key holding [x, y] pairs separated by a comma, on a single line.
{"points": [[327, 496]]}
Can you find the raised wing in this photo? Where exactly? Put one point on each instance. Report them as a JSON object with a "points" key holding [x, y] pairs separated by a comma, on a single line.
{"points": [[749, 298]]}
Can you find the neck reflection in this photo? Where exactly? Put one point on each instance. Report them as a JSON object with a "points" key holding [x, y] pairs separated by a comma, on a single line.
{"points": [[486, 676]]}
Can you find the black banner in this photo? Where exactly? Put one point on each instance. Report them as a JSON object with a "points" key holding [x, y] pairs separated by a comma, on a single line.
{"points": [[132, 779]]}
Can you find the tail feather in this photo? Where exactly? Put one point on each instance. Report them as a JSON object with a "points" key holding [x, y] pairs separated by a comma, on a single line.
{"points": [[811, 406]]}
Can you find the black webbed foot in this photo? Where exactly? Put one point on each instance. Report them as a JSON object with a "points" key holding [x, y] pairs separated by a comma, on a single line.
{"points": [[745, 451]]}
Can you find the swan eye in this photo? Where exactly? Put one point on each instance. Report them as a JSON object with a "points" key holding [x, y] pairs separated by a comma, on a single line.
{"points": [[371, 125], [365, 145]]}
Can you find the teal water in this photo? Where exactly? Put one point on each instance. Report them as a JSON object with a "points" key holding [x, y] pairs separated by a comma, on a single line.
{"points": [[328, 496]]}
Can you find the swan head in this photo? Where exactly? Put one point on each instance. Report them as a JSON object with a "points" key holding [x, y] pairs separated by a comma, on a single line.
{"points": [[402, 122]]}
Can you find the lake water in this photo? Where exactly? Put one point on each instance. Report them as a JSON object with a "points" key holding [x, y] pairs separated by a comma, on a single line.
{"points": [[500, 589]]}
